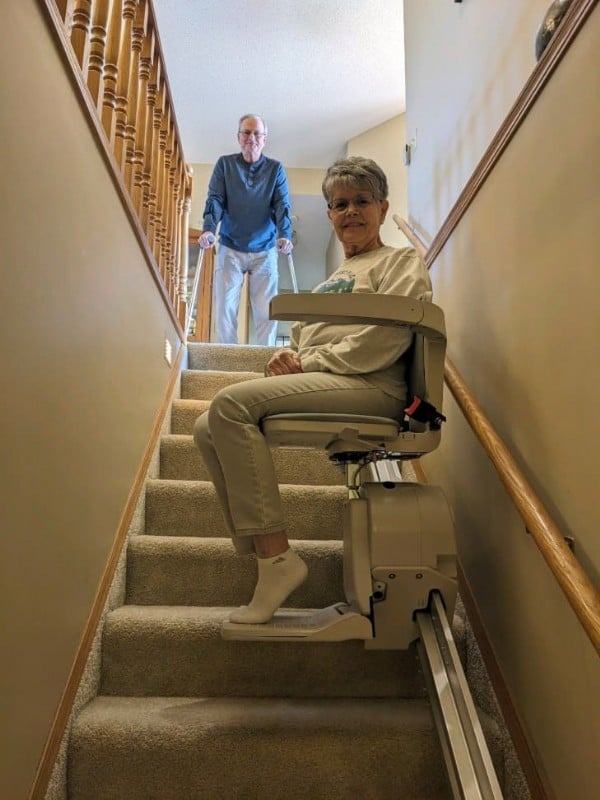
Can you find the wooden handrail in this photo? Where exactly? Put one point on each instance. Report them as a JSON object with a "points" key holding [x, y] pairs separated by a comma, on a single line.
{"points": [[568, 572], [113, 48], [412, 237]]}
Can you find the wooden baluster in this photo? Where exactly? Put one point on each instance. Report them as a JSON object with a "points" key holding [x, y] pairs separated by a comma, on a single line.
{"points": [[204, 300], [149, 144], [98, 34], [157, 167], [124, 62], [142, 140], [138, 34], [168, 206], [160, 181], [80, 33], [179, 255], [184, 266], [173, 229], [182, 239], [111, 71]]}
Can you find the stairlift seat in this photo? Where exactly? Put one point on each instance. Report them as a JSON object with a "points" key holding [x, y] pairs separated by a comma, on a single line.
{"points": [[398, 537], [361, 433]]}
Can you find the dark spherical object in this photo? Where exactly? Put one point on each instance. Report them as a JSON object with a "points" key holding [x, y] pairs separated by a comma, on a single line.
{"points": [[548, 27]]}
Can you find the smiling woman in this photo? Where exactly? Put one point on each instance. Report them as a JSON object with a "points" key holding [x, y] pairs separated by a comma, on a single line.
{"points": [[328, 368], [356, 193]]}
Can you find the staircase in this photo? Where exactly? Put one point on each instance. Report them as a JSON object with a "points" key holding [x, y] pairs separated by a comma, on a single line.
{"points": [[182, 714]]}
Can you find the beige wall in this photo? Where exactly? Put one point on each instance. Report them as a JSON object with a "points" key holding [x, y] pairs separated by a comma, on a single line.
{"points": [[520, 286], [465, 65], [82, 340], [385, 145]]}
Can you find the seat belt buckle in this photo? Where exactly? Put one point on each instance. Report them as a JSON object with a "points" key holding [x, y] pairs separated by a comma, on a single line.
{"points": [[422, 411]]}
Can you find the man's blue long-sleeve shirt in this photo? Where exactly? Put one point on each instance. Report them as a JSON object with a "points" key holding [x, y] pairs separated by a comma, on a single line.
{"points": [[251, 201]]}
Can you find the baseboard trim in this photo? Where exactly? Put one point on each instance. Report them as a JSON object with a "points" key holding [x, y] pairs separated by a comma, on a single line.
{"points": [[67, 700], [509, 712], [514, 726]]}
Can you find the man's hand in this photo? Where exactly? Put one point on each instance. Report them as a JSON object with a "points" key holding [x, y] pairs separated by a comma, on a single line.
{"points": [[284, 246], [206, 240], [283, 362]]}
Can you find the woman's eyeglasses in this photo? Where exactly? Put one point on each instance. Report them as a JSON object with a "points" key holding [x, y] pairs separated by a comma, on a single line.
{"points": [[341, 206]]}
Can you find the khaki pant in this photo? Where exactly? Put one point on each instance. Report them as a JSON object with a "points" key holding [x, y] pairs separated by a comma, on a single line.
{"points": [[238, 456], [263, 276]]}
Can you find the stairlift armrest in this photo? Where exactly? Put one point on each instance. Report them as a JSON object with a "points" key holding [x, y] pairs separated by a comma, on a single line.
{"points": [[361, 308]]}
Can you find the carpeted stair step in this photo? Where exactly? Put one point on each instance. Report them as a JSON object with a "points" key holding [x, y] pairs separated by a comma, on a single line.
{"points": [[177, 650], [228, 357], [157, 748], [203, 385], [184, 414], [180, 459], [183, 571], [191, 508]]}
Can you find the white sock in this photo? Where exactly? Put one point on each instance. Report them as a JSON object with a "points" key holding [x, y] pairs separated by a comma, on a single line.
{"points": [[278, 576]]}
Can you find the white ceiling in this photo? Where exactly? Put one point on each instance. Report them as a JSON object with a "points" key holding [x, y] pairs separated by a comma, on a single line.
{"points": [[319, 71]]}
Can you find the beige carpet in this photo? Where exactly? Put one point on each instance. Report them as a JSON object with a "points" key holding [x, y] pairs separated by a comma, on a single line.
{"points": [[182, 714]]}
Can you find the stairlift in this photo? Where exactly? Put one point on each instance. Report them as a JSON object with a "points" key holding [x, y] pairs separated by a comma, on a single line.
{"points": [[398, 545]]}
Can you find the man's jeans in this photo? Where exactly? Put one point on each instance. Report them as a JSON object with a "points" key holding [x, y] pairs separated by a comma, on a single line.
{"points": [[230, 267]]}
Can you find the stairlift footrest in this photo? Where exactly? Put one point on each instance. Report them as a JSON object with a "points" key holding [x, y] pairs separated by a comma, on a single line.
{"points": [[335, 623]]}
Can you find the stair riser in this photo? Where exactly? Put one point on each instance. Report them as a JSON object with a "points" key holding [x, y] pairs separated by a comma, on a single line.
{"points": [[164, 660], [184, 415], [165, 756], [205, 385], [179, 575], [192, 509], [181, 460], [230, 358]]}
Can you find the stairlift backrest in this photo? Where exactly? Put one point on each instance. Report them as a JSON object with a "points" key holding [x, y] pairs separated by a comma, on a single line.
{"points": [[425, 371]]}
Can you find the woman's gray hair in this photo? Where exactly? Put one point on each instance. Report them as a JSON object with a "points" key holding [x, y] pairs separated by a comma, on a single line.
{"points": [[252, 116], [358, 173]]}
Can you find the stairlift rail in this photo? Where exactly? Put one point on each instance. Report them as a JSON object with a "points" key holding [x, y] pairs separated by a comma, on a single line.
{"points": [[468, 761]]}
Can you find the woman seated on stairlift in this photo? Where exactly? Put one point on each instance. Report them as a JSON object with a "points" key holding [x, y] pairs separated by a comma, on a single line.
{"points": [[328, 368]]}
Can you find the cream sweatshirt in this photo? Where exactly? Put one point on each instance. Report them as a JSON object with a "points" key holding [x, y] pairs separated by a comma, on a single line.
{"points": [[370, 350]]}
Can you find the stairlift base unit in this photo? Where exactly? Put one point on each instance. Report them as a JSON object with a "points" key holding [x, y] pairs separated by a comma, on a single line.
{"points": [[398, 549]]}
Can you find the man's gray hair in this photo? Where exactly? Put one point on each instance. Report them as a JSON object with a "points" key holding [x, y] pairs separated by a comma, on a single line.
{"points": [[252, 116], [357, 172]]}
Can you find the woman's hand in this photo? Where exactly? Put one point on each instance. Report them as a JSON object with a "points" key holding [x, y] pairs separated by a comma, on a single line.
{"points": [[283, 362]]}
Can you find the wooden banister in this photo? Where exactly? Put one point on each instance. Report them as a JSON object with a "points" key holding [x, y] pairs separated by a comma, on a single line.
{"points": [[113, 49], [568, 572]]}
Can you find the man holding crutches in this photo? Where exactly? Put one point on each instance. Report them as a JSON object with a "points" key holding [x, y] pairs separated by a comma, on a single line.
{"points": [[248, 194]]}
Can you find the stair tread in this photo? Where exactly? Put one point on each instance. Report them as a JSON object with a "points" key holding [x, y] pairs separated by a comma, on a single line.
{"points": [[188, 570], [191, 508], [180, 459], [307, 548], [282, 748], [191, 485], [167, 650], [263, 712]]}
